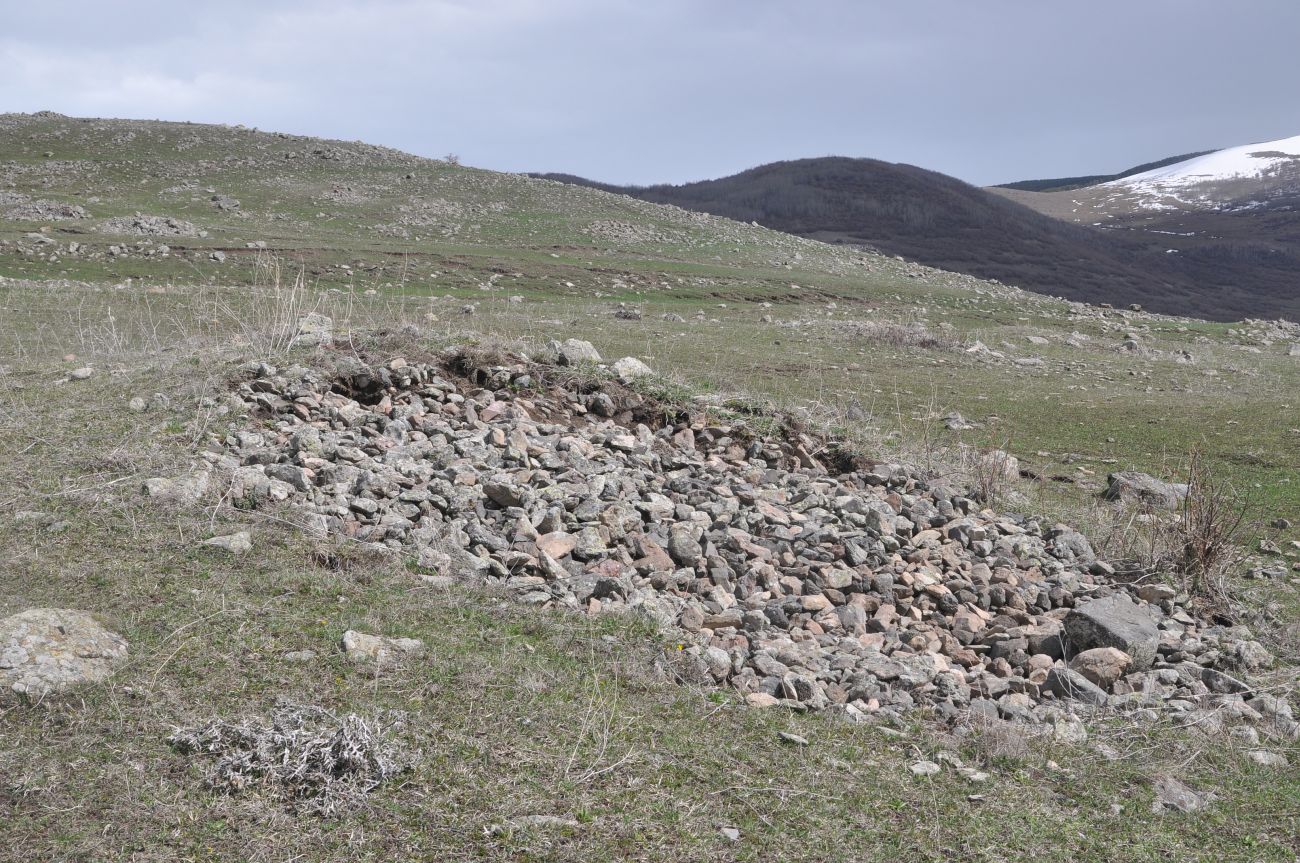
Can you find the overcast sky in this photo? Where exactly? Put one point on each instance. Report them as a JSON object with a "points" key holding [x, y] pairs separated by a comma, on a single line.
{"points": [[673, 90]]}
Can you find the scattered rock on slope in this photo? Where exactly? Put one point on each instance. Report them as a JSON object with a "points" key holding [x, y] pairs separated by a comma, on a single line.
{"points": [[149, 226], [1133, 486], [378, 649], [571, 352], [314, 330], [629, 369]]}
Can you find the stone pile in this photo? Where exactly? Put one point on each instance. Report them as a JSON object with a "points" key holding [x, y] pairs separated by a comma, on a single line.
{"points": [[788, 573]]}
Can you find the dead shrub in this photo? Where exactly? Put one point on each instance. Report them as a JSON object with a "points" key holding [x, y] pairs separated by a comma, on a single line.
{"points": [[1195, 547], [904, 335], [991, 472], [317, 761], [1206, 533]]}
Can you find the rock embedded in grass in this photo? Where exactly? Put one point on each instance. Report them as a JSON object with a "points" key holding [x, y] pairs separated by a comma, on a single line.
{"points": [[188, 488], [49, 650], [571, 352], [630, 369], [240, 542], [378, 650], [314, 330], [1142, 488], [1172, 794]]}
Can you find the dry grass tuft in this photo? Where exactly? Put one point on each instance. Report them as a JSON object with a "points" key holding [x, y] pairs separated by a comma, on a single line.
{"points": [[912, 335], [998, 743], [317, 761], [270, 325]]}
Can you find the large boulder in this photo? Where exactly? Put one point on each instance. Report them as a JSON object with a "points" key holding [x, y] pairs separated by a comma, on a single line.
{"points": [[629, 369], [571, 352], [46, 650], [1113, 621], [1136, 487]]}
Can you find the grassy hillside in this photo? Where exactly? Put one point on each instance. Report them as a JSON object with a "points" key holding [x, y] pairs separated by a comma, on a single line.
{"points": [[514, 714]]}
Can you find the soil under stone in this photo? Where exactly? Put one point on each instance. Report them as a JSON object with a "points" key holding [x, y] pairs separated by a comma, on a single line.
{"points": [[788, 573]]}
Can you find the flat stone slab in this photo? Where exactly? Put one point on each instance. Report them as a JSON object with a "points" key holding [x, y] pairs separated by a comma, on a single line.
{"points": [[46, 650], [378, 649]]}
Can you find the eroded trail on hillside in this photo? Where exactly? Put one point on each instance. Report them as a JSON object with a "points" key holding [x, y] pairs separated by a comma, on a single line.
{"points": [[787, 572]]}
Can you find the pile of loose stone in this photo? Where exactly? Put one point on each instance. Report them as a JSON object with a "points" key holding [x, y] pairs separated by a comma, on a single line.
{"points": [[788, 573]]}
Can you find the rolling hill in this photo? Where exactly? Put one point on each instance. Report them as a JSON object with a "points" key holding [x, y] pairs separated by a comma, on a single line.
{"points": [[1225, 216], [940, 221]]}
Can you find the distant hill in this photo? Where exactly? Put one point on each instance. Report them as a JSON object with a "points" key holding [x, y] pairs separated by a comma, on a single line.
{"points": [[1228, 217], [1060, 184], [943, 222]]}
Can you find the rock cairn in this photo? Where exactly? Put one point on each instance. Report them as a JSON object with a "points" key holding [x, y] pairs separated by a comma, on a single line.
{"points": [[786, 572]]}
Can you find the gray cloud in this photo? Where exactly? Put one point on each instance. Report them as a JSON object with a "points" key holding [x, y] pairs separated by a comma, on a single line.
{"points": [[675, 90]]}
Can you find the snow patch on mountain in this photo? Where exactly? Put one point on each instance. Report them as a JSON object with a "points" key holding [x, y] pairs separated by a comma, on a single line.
{"points": [[1189, 181]]}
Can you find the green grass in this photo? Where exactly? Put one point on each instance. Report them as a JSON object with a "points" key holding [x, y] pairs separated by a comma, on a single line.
{"points": [[512, 712]]}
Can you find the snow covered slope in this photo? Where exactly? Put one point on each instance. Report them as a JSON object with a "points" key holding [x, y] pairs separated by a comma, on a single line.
{"points": [[1250, 171]]}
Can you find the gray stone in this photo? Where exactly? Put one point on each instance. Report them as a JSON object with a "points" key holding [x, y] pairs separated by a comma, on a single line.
{"points": [[1135, 486], [1173, 794], [240, 542], [49, 650], [1068, 683], [1113, 621], [185, 489], [314, 330], [1265, 758], [572, 352], [924, 768], [683, 547], [1102, 665], [630, 369], [361, 647], [1156, 593], [1223, 684]]}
